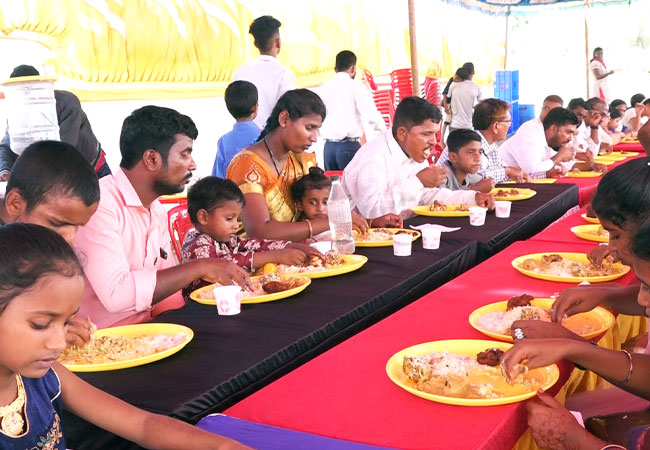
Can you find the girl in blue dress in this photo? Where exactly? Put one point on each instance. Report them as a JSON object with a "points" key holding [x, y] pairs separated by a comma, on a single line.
{"points": [[41, 284]]}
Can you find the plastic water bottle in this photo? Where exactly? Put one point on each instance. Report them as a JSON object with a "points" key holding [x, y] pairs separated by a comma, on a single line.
{"points": [[340, 217]]}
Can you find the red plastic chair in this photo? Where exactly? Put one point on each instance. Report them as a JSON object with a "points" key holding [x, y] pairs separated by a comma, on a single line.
{"points": [[179, 225], [370, 80]]}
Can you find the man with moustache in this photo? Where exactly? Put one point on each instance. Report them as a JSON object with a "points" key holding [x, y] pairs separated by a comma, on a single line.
{"points": [[125, 247], [544, 152], [390, 174]]}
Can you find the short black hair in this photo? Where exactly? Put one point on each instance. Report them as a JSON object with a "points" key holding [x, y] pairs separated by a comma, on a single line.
{"points": [[152, 127], [315, 179], [554, 99], [488, 111], [576, 103], [209, 193], [615, 113], [345, 60], [29, 252], [636, 98], [617, 102], [264, 29], [469, 67], [593, 101], [24, 70], [623, 194], [241, 98], [646, 101], [559, 117], [458, 139], [413, 111], [53, 168]]}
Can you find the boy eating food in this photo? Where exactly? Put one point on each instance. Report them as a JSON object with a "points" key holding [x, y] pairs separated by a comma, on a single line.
{"points": [[464, 162]]}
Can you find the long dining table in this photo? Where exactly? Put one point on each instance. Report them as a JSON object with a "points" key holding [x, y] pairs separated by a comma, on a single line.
{"points": [[233, 357], [346, 394]]}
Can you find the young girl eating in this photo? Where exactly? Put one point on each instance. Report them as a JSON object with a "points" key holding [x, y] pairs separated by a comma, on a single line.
{"points": [[214, 206], [41, 284]]}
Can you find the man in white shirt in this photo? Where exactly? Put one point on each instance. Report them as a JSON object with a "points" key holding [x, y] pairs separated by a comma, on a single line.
{"points": [[633, 118], [598, 115], [349, 106], [540, 151], [270, 77], [462, 97], [587, 141], [390, 174]]}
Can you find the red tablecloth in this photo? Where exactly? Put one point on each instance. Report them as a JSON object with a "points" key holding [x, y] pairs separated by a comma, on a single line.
{"points": [[587, 186], [346, 394], [560, 231], [637, 147]]}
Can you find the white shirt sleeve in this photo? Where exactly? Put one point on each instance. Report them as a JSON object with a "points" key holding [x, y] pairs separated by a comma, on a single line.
{"points": [[374, 194], [287, 82], [447, 196]]}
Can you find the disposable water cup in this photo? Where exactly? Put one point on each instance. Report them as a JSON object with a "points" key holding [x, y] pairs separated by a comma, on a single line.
{"points": [[431, 238], [477, 216], [402, 244], [502, 208], [228, 300]]}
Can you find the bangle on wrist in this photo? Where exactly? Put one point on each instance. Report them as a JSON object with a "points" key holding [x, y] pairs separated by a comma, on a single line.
{"points": [[630, 370], [613, 447], [370, 223], [311, 230]]}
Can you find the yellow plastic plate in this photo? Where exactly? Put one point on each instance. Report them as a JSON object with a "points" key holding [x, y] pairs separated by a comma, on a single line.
{"points": [[610, 157], [599, 318], [534, 181], [350, 264], [179, 196], [584, 174], [587, 232], [450, 211], [580, 257], [547, 375], [142, 329], [590, 219], [414, 234], [604, 161], [524, 194], [625, 154], [196, 295], [630, 140]]}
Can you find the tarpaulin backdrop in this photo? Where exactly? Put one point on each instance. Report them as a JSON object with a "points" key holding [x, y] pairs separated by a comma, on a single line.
{"points": [[129, 49]]}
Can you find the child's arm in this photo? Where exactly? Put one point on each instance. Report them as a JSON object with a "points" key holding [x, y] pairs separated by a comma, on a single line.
{"points": [[146, 429], [289, 256]]}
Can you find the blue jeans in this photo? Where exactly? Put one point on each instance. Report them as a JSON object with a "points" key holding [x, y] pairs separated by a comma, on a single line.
{"points": [[337, 155]]}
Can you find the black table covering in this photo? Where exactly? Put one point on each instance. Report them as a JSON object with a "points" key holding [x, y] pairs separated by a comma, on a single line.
{"points": [[232, 357]]}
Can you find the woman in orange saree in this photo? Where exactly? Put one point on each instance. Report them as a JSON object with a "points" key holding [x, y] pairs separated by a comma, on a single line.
{"points": [[265, 171]]}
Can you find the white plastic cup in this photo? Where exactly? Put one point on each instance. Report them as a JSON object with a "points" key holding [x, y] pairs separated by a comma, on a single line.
{"points": [[431, 238], [402, 244], [502, 208], [228, 300], [477, 215]]}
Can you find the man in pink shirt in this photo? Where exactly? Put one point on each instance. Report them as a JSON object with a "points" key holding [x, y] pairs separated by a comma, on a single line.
{"points": [[125, 247]]}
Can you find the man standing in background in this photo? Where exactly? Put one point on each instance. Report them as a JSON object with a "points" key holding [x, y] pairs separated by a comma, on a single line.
{"points": [[270, 77], [349, 107]]}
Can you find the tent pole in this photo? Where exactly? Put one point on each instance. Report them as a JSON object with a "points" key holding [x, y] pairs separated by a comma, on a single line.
{"points": [[415, 77], [586, 10], [505, 57]]}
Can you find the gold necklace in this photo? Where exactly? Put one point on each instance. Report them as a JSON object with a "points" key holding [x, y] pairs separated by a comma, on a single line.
{"points": [[12, 419]]}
